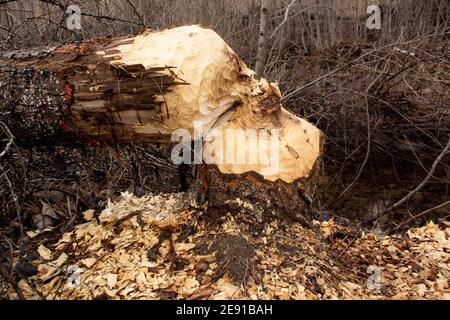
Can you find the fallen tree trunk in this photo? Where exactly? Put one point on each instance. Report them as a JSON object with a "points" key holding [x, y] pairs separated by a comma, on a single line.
{"points": [[181, 83]]}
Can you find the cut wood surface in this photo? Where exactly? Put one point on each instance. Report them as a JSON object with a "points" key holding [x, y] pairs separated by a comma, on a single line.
{"points": [[142, 88]]}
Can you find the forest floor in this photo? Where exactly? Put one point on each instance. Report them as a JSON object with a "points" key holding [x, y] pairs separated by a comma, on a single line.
{"points": [[166, 247]]}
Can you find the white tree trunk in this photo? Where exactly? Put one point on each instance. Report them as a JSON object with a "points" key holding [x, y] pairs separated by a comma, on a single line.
{"points": [[262, 40]]}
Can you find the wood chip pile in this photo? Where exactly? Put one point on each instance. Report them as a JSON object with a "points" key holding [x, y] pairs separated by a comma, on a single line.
{"points": [[165, 247]]}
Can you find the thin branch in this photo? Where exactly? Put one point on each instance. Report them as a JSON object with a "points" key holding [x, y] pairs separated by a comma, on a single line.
{"points": [[2, 2], [100, 17], [348, 64], [136, 13], [369, 135], [15, 198], [366, 158], [12, 283], [10, 136], [419, 187], [286, 15], [428, 211]]}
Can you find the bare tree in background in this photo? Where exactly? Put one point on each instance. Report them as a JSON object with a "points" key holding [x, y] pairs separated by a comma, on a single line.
{"points": [[262, 40]]}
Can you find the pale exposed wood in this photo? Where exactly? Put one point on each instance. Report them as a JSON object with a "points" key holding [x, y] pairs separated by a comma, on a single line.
{"points": [[143, 88], [288, 156], [199, 58]]}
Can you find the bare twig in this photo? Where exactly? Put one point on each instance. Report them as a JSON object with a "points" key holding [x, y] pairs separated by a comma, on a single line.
{"points": [[6, 1], [418, 188], [345, 65], [137, 14], [10, 136], [35, 290], [366, 158], [423, 213], [5, 176], [12, 283], [346, 247], [15, 199], [286, 15], [369, 137]]}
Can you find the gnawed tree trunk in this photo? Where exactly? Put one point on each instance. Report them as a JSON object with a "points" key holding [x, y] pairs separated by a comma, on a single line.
{"points": [[181, 82]]}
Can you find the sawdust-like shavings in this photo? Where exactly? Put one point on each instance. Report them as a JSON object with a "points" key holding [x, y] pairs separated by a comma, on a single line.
{"points": [[156, 247]]}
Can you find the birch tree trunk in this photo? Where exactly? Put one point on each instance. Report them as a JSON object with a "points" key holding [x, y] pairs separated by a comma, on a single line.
{"points": [[261, 56]]}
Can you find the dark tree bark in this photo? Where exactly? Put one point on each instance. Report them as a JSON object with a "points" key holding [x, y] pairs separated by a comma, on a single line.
{"points": [[56, 95]]}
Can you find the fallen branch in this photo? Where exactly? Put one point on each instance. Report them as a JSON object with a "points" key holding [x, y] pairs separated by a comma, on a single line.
{"points": [[418, 188], [423, 213]]}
